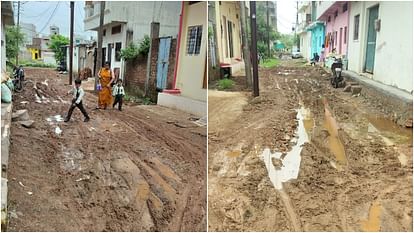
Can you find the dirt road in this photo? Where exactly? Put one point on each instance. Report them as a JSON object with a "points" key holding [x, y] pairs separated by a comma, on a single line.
{"points": [[142, 169], [304, 156]]}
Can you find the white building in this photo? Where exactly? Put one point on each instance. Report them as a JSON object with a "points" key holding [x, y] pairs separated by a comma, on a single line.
{"points": [[304, 19], [125, 22], [6, 19], [382, 47]]}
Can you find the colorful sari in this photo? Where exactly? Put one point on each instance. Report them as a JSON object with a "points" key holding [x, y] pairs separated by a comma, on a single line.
{"points": [[105, 96]]}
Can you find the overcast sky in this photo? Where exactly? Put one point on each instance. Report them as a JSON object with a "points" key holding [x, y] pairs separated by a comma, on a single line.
{"points": [[43, 14], [46, 13]]}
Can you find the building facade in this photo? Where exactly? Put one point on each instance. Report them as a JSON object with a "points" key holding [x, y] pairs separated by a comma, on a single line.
{"points": [[190, 79], [304, 17], [6, 19], [335, 15], [126, 22], [381, 42]]}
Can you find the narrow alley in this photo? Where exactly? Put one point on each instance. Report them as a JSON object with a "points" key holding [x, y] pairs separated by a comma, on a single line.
{"points": [[304, 156], [142, 169]]}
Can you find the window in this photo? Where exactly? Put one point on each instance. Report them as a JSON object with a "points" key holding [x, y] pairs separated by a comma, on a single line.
{"points": [[346, 28], [116, 29], [329, 19], [104, 32], [356, 27], [345, 7], [336, 14], [194, 39], [118, 47]]}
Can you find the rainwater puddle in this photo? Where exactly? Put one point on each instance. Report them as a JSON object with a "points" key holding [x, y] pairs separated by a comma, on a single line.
{"points": [[284, 168], [390, 131], [334, 143], [373, 223]]}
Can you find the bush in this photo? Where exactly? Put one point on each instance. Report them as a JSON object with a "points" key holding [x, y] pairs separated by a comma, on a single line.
{"points": [[225, 84], [133, 51]]}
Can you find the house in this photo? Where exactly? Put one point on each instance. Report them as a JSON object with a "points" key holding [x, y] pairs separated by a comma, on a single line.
{"points": [[304, 19], [317, 30], [130, 21], [381, 42], [6, 19], [83, 56], [190, 79], [228, 35], [40, 50], [335, 15]]}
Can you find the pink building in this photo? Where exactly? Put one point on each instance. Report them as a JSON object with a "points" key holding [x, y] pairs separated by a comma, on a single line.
{"points": [[336, 18]]}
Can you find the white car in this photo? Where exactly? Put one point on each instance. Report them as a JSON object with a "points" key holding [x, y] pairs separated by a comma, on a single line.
{"points": [[296, 54]]}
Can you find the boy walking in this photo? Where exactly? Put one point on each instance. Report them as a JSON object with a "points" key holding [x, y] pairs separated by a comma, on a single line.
{"points": [[118, 92], [78, 94]]}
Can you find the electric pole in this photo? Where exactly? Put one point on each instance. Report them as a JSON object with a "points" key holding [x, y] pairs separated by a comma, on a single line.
{"points": [[246, 51], [100, 38], [297, 25], [268, 30], [254, 48], [72, 9], [18, 32]]}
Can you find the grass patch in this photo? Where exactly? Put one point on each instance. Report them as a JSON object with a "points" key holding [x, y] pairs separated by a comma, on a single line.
{"points": [[224, 84], [36, 64], [270, 63]]}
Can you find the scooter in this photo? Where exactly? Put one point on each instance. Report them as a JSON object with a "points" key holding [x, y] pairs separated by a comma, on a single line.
{"points": [[337, 80]]}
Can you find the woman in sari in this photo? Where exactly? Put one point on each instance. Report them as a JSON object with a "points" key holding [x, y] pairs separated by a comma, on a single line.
{"points": [[106, 78]]}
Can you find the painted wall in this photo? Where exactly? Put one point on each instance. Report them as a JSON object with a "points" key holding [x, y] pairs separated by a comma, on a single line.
{"points": [[318, 38], [334, 28], [231, 12], [3, 45], [305, 44], [191, 68], [393, 54]]}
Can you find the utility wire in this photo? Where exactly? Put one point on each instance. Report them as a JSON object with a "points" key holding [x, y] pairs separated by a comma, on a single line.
{"points": [[53, 14]]}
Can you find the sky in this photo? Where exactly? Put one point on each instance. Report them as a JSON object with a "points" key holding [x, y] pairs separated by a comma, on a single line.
{"points": [[43, 14], [286, 16]]}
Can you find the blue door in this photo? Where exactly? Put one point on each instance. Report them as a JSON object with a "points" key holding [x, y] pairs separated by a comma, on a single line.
{"points": [[371, 40], [162, 63]]}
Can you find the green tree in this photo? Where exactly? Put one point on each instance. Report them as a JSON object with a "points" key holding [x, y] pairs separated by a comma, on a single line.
{"points": [[263, 29], [287, 40], [56, 43], [14, 39]]}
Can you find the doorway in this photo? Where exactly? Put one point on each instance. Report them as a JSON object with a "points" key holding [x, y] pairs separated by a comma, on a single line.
{"points": [[371, 40]]}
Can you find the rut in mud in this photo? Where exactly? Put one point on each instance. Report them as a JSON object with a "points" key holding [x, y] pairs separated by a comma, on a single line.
{"points": [[355, 170], [142, 169]]}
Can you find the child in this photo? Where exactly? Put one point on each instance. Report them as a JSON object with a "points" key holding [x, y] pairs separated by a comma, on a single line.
{"points": [[78, 94], [118, 92]]}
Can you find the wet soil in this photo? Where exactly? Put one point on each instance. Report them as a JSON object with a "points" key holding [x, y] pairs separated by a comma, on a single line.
{"points": [[355, 171], [134, 170]]}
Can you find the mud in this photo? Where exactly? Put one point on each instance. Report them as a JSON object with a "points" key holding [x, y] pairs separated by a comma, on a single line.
{"points": [[122, 171], [355, 173]]}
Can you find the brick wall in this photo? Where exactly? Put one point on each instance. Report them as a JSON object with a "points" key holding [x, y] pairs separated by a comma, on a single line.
{"points": [[136, 70]]}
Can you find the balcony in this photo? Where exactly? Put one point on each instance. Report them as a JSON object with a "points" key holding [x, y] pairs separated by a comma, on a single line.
{"points": [[92, 14]]}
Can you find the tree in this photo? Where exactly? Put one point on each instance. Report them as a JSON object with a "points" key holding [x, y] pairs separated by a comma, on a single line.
{"points": [[56, 43], [263, 29], [14, 38]]}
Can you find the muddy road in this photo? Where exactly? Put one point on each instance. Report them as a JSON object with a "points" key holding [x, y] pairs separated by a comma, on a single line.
{"points": [[304, 156], [142, 169]]}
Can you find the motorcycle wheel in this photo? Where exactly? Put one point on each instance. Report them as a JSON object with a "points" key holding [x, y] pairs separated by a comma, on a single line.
{"points": [[18, 86]]}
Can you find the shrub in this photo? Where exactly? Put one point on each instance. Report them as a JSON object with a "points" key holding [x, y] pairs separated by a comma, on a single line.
{"points": [[133, 51], [225, 84]]}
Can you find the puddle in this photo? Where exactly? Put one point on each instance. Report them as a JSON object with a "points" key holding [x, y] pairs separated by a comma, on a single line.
{"points": [[308, 121], [334, 143], [284, 168], [390, 131], [373, 223]]}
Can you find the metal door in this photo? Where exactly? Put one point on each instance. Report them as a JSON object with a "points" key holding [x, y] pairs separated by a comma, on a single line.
{"points": [[371, 40], [162, 63]]}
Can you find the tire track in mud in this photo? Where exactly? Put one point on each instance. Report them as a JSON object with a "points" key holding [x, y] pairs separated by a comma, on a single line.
{"points": [[290, 211]]}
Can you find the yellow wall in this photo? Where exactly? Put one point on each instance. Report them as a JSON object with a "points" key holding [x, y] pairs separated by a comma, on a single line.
{"points": [[191, 69], [231, 11], [34, 52]]}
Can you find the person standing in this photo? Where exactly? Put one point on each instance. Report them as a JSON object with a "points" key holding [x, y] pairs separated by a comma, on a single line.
{"points": [[106, 78], [118, 92], [78, 94]]}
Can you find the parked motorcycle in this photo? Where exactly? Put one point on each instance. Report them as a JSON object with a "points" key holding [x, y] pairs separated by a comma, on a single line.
{"points": [[337, 80], [18, 80]]}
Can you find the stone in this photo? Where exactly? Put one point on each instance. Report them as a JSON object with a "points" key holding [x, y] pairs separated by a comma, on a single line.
{"points": [[347, 88], [356, 90], [21, 115], [409, 123], [27, 124], [277, 163]]}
